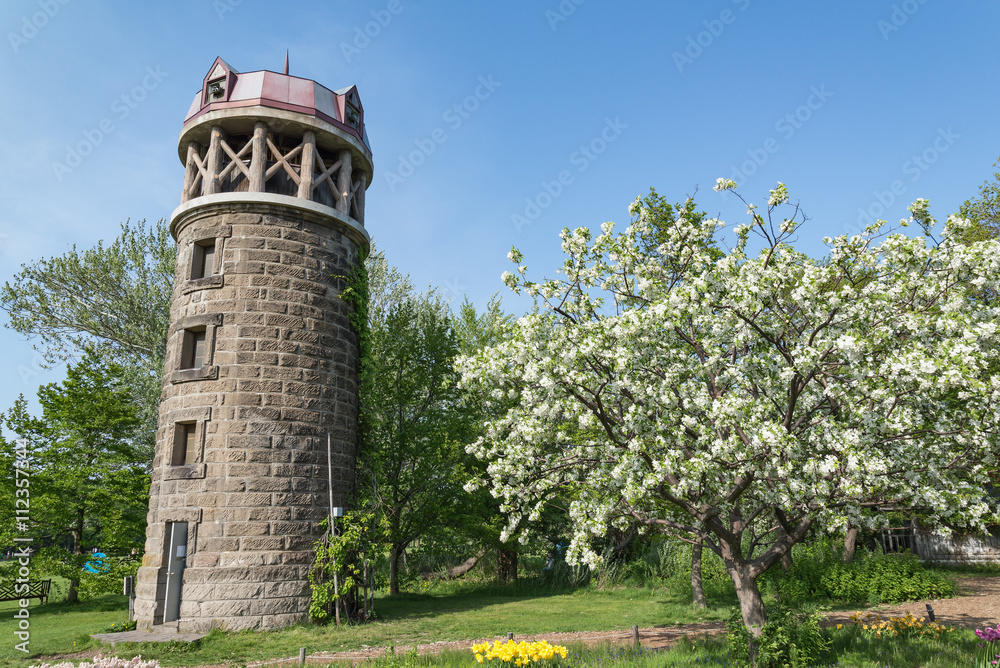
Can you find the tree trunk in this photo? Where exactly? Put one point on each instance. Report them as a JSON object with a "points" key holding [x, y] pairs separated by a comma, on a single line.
{"points": [[74, 591], [77, 533], [850, 542], [507, 565], [751, 604], [697, 591], [395, 553], [751, 607], [786, 558]]}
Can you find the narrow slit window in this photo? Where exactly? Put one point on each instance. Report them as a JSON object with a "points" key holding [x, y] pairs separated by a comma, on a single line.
{"points": [[185, 444], [203, 260], [193, 351]]}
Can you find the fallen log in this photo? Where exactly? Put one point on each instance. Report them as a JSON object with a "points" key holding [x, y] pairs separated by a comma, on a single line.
{"points": [[457, 571]]}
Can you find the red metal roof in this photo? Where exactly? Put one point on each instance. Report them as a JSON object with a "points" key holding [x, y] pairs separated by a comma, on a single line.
{"points": [[278, 91]]}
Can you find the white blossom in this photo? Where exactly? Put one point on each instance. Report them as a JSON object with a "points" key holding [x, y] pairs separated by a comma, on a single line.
{"points": [[649, 388]]}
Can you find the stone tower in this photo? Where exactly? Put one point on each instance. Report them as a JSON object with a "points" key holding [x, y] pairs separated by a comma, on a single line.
{"points": [[261, 364]]}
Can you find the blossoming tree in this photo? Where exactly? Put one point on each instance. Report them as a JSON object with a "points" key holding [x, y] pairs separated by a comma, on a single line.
{"points": [[740, 400]]}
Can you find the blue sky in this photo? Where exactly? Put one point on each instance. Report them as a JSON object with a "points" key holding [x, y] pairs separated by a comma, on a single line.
{"points": [[565, 112]]}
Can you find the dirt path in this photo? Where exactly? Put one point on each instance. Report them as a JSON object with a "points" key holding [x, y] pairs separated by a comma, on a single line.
{"points": [[978, 607]]}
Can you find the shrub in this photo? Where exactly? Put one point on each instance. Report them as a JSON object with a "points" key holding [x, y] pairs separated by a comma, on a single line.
{"points": [[109, 580], [873, 577], [788, 639]]}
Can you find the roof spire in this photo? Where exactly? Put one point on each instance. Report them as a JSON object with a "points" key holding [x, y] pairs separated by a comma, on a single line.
{"points": [[286, 61]]}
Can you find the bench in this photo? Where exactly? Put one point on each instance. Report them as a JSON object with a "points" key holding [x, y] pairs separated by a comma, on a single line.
{"points": [[38, 589]]}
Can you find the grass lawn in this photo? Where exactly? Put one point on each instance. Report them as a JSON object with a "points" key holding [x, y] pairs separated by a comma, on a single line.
{"points": [[461, 614], [407, 619], [55, 626]]}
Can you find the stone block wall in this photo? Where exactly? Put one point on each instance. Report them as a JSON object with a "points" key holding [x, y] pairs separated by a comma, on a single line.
{"points": [[279, 375]]}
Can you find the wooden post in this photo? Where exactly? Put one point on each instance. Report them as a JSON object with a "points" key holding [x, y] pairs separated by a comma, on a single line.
{"points": [[364, 589], [344, 183], [635, 636], [190, 169], [510, 635], [302, 657], [371, 588], [359, 197], [307, 163], [213, 164], [258, 160]]}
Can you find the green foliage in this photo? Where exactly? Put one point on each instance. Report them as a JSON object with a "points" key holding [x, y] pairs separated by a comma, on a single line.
{"points": [[663, 216], [357, 293], [563, 576], [415, 422], [109, 579], [984, 209], [349, 553], [410, 659], [872, 577], [787, 639], [116, 296], [669, 560], [88, 486], [114, 300]]}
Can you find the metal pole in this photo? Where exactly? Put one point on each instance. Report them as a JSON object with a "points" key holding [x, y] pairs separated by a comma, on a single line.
{"points": [[329, 475], [336, 593]]}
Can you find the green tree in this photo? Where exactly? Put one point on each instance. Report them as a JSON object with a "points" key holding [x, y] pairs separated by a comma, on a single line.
{"points": [[484, 518], [750, 398], [88, 483], [114, 299], [414, 430], [984, 209]]}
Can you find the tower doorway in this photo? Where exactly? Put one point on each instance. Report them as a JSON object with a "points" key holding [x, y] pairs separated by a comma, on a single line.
{"points": [[176, 558]]}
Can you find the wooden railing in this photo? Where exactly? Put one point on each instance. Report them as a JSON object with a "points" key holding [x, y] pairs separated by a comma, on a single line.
{"points": [[257, 164]]}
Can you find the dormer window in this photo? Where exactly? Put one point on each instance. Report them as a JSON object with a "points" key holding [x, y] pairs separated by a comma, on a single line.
{"points": [[216, 90], [353, 118]]}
